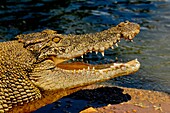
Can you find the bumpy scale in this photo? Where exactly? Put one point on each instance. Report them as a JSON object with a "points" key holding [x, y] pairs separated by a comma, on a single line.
{"points": [[33, 72]]}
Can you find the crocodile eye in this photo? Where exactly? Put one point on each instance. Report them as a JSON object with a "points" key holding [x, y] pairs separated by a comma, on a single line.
{"points": [[56, 39]]}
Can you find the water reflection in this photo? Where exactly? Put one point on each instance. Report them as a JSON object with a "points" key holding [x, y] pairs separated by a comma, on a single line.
{"points": [[70, 16]]}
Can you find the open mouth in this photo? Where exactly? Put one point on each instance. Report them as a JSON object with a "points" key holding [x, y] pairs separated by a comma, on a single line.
{"points": [[95, 61], [79, 60], [76, 72], [93, 46], [62, 49]]}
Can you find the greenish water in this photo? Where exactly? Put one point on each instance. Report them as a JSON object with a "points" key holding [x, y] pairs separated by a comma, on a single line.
{"points": [[151, 46]]}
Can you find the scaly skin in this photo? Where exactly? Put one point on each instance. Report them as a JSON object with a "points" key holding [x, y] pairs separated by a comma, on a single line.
{"points": [[32, 72]]}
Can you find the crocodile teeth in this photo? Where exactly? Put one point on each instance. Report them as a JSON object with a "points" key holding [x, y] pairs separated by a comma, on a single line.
{"points": [[116, 45], [112, 47], [96, 52], [74, 71], [102, 54], [81, 56], [88, 68], [73, 59]]}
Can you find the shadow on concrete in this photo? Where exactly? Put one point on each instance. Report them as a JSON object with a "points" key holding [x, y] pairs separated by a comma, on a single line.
{"points": [[83, 99]]}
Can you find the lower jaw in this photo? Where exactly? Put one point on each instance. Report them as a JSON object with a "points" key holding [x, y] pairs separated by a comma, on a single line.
{"points": [[82, 65]]}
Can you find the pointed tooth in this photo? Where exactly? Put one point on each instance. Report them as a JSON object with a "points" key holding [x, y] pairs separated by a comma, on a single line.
{"points": [[74, 59], [116, 58], [116, 45], [90, 51], [93, 68], [81, 56], [102, 53], [112, 47], [136, 60], [88, 68], [74, 71], [131, 40], [96, 52]]}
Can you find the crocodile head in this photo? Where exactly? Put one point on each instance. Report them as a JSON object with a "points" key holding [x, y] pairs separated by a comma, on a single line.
{"points": [[50, 71], [52, 50]]}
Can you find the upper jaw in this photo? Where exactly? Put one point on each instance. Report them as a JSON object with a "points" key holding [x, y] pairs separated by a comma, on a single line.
{"points": [[99, 42]]}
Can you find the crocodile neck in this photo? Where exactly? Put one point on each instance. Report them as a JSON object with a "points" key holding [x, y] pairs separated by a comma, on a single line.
{"points": [[47, 98]]}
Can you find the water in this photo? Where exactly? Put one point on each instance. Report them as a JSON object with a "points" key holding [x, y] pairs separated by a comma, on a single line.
{"points": [[151, 46]]}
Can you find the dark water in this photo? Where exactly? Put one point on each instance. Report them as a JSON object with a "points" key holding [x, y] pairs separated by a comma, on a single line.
{"points": [[151, 46]]}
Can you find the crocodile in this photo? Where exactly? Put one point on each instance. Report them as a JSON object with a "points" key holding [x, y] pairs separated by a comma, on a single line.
{"points": [[34, 71]]}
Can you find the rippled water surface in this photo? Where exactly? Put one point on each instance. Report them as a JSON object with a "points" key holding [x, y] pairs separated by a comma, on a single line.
{"points": [[151, 46]]}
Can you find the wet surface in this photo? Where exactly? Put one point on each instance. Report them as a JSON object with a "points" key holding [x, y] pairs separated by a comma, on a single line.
{"points": [[151, 46]]}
